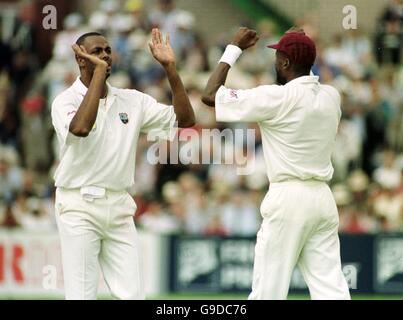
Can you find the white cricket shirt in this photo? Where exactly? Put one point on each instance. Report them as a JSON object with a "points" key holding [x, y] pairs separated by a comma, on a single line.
{"points": [[298, 122], [106, 157]]}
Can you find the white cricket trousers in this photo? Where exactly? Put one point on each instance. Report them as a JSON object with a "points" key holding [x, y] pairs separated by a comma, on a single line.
{"points": [[300, 227], [98, 233]]}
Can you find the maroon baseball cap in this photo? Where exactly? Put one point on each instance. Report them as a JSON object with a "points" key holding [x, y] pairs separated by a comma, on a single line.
{"points": [[298, 47]]}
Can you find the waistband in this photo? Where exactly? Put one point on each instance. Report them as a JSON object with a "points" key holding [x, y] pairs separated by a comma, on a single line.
{"points": [[93, 192], [294, 181]]}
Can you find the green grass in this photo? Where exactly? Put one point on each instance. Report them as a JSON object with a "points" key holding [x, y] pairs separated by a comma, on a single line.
{"points": [[200, 296]]}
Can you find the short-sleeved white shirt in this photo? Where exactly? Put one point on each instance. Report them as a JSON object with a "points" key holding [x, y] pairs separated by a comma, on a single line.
{"points": [[106, 157], [298, 123]]}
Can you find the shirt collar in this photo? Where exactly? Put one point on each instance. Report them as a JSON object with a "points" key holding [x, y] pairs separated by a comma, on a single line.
{"points": [[305, 80], [79, 86]]}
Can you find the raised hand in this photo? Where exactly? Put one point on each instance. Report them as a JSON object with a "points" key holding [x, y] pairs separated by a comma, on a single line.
{"points": [[160, 49], [245, 38], [82, 53]]}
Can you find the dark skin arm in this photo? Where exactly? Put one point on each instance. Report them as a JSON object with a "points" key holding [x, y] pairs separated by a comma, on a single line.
{"points": [[83, 121], [163, 53], [244, 39]]}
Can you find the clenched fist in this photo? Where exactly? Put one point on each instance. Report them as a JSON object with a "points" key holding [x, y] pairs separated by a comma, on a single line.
{"points": [[295, 30], [245, 38]]}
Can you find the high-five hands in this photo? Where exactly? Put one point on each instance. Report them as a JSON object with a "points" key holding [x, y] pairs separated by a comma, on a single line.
{"points": [[162, 50], [245, 38]]}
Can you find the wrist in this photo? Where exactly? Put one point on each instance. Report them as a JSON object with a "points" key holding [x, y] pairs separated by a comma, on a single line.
{"points": [[236, 44], [170, 66], [231, 54], [100, 68]]}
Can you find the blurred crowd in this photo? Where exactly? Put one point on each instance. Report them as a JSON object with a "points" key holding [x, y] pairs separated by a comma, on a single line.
{"points": [[203, 199]]}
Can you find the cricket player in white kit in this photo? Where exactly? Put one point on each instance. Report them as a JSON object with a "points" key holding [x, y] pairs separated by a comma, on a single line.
{"points": [[98, 127], [298, 119]]}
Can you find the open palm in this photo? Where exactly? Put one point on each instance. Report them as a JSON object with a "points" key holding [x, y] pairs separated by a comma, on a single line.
{"points": [[160, 49]]}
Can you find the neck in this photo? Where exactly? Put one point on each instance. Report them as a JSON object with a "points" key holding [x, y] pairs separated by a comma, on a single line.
{"points": [[86, 80]]}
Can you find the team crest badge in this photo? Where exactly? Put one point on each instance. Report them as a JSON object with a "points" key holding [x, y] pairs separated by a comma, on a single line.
{"points": [[123, 117]]}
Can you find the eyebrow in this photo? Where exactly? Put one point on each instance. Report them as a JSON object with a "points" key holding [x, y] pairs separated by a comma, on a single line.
{"points": [[100, 47]]}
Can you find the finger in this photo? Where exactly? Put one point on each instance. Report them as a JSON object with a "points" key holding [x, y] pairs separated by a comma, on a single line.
{"points": [[154, 36], [83, 49], [159, 35], [151, 46], [168, 40], [77, 50]]}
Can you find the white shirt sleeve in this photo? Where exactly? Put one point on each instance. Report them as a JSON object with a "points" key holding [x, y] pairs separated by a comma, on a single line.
{"points": [[158, 119], [63, 111], [251, 105]]}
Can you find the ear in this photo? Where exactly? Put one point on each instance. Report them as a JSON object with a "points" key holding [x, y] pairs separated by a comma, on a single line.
{"points": [[80, 61], [286, 63]]}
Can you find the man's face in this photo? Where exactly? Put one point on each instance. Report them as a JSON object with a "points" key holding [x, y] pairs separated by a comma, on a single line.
{"points": [[280, 68], [99, 47]]}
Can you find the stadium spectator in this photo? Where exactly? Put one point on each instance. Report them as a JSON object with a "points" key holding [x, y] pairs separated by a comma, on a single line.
{"points": [[389, 36], [11, 176], [178, 23], [158, 220]]}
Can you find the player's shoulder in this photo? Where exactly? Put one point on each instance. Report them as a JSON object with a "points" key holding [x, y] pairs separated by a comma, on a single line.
{"points": [[65, 97], [270, 89], [274, 93], [331, 91], [126, 93]]}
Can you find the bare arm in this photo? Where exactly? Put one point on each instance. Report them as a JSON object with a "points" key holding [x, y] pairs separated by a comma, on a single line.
{"points": [[163, 53], [84, 119], [216, 80], [183, 108], [244, 39]]}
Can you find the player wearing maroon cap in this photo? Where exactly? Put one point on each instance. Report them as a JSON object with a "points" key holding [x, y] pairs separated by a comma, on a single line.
{"points": [[298, 120], [297, 49]]}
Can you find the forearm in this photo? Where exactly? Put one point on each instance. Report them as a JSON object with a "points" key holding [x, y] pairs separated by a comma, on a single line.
{"points": [[244, 39], [216, 80], [85, 118], [180, 100]]}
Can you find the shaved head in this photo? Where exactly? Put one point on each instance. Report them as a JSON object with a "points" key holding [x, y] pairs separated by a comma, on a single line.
{"points": [[97, 45], [82, 38]]}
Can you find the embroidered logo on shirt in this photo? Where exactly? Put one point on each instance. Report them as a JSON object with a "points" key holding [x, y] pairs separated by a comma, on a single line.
{"points": [[123, 117], [233, 94]]}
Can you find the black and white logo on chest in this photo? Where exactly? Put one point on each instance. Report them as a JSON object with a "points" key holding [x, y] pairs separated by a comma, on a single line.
{"points": [[123, 117]]}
